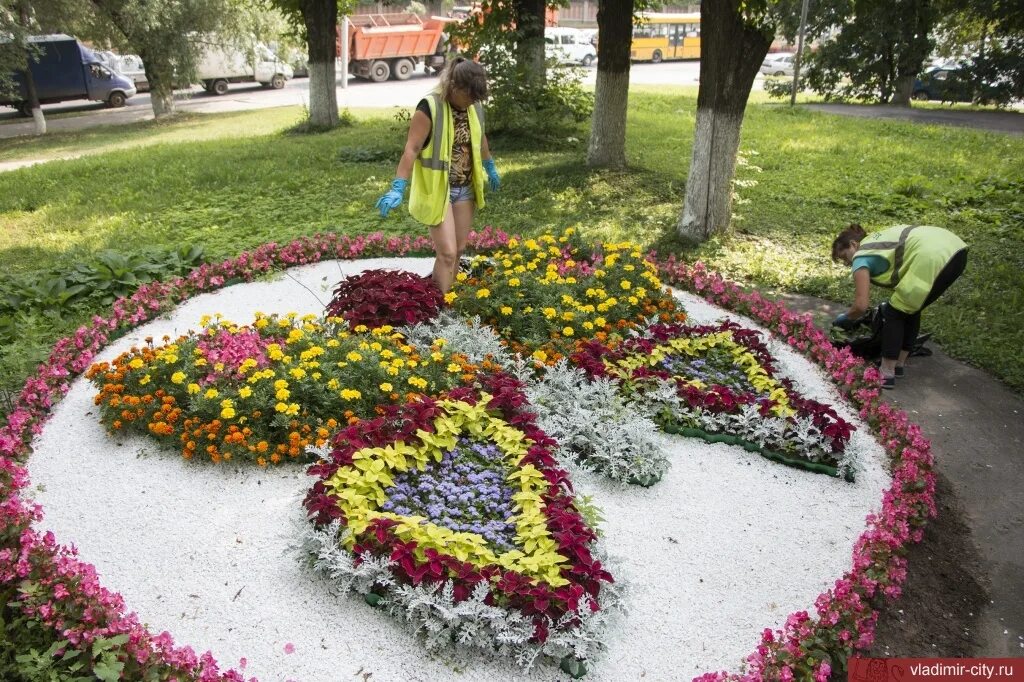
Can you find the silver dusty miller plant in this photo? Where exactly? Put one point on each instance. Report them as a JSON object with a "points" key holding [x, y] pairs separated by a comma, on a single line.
{"points": [[467, 627], [594, 426]]}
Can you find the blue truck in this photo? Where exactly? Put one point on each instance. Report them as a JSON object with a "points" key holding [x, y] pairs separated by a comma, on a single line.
{"points": [[67, 70]]}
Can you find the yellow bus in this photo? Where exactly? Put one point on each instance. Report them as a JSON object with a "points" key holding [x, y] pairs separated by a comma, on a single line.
{"points": [[662, 35]]}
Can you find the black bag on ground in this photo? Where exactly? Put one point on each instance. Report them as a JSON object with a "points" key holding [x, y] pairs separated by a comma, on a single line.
{"points": [[865, 340]]}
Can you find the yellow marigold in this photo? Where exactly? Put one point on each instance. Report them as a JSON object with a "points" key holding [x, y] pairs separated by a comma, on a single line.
{"points": [[418, 382], [506, 310], [350, 394], [514, 282], [145, 380], [297, 372], [137, 363], [193, 389], [450, 296], [211, 393], [386, 387], [178, 378], [281, 407], [353, 356], [461, 277], [483, 293], [333, 384], [549, 312], [244, 392], [567, 331], [227, 413], [625, 284], [540, 355], [282, 394], [453, 368]]}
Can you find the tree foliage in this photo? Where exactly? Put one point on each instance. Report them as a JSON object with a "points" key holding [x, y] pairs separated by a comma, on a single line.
{"points": [[521, 103], [870, 49]]}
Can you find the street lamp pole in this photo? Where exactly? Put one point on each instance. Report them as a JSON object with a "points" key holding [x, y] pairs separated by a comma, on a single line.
{"points": [[799, 52]]}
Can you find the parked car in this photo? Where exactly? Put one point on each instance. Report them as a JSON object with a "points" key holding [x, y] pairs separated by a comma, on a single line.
{"points": [[68, 70], [569, 46], [778, 64], [942, 83]]}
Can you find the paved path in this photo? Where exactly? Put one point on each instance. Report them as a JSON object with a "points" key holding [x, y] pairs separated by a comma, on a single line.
{"points": [[1011, 122], [976, 426]]}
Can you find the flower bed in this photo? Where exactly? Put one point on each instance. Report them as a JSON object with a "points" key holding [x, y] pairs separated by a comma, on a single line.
{"points": [[266, 391], [818, 646], [718, 383], [543, 295], [35, 572], [396, 485]]}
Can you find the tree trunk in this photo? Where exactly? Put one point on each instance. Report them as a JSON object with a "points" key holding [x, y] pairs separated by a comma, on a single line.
{"points": [[919, 17], [321, 19], [31, 95], [529, 17], [608, 127], [730, 54], [903, 88], [160, 76]]}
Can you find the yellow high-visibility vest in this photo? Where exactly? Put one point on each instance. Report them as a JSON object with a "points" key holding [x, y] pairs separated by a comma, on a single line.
{"points": [[428, 186], [916, 255]]}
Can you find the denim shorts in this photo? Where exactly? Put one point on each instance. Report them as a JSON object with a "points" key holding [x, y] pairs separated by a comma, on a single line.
{"points": [[464, 193]]}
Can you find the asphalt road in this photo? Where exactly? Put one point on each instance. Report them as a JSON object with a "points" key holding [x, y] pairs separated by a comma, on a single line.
{"points": [[360, 93]]}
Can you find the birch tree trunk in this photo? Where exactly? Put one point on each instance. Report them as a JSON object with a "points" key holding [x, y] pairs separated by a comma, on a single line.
{"points": [[607, 148], [321, 19], [731, 51]]}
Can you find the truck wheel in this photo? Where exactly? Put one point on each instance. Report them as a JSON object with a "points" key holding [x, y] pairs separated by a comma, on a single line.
{"points": [[116, 100], [277, 82], [656, 57], [24, 108], [220, 87], [403, 69], [380, 71], [588, 60]]}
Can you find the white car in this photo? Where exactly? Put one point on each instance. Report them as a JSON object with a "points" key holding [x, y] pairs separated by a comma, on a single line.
{"points": [[569, 46], [778, 64]]}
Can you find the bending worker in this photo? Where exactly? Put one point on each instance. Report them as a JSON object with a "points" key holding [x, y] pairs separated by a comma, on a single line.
{"points": [[918, 262]]}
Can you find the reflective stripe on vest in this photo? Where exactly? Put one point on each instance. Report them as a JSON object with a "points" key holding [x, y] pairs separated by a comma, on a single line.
{"points": [[891, 277], [434, 162]]}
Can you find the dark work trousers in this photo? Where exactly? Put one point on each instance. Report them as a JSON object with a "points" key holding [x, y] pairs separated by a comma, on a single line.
{"points": [[900, 330]]}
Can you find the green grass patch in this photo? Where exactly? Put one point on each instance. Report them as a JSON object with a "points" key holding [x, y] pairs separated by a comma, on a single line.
{"points": [[233, 181]]}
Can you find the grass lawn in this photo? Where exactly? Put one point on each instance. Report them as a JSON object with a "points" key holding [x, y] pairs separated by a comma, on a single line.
{"points": [[231, 182]]}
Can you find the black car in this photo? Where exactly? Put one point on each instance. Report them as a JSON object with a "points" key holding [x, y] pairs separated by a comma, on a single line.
{"points": [[944, 84]]}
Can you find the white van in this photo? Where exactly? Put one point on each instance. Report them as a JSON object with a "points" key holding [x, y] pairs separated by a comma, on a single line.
{"points": [[569, 46], [223, 64]]}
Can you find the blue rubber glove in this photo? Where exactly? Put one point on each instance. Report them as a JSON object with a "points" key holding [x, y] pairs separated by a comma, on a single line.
{"points": [[844, 322], [493, 179], [393, 198]]}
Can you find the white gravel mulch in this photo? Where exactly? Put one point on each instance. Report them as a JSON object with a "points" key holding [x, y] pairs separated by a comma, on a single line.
{"points": [[727, 544]]}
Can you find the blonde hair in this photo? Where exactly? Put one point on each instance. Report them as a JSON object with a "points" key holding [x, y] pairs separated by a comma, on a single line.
{"points": [[466, 75]]}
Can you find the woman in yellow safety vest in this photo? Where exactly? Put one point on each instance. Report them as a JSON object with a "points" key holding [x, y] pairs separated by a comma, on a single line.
{"points": [[447, 163], [918, 262]]}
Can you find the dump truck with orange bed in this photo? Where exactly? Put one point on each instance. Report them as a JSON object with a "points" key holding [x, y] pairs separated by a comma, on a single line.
{"points": [[383, 46]]}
